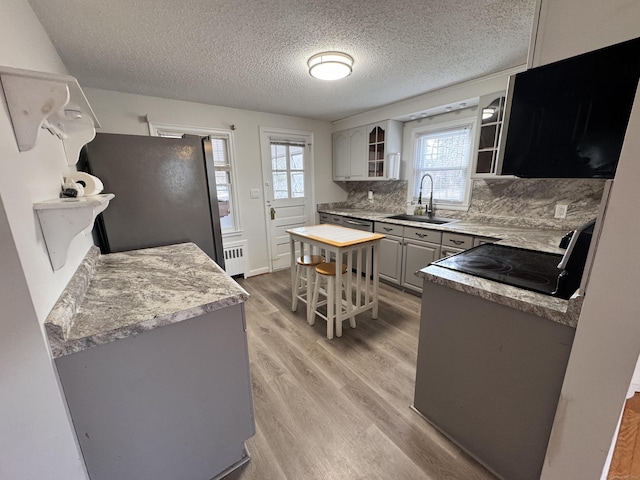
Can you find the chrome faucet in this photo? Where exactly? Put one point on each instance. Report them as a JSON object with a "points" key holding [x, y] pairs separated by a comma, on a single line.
{"points": [[429, 210]]}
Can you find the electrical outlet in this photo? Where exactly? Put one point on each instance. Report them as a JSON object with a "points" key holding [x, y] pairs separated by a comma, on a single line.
{"points": [[561, 211], [254, 193]]}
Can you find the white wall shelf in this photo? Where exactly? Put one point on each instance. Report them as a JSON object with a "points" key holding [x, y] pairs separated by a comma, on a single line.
{"points": [[62, 219], [45, 100]]}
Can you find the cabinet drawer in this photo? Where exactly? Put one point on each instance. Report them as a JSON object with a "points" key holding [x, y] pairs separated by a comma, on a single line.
{"points": [[325, 218], [388, 229], [482, 240], [422, 235], [448, 251], [457, 241]]}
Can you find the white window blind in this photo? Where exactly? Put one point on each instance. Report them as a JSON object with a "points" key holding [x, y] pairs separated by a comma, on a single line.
{"points": [[445, 155]]}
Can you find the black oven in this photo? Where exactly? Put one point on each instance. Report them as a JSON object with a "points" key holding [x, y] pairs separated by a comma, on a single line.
{"points": [[542, 272]]}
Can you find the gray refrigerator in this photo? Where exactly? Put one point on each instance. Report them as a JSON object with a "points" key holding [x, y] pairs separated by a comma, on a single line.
{"points": [[165, 192]]}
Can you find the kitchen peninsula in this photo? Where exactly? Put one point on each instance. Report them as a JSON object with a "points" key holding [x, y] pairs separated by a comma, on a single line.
{"points": [[491, 356], [150, 346]]}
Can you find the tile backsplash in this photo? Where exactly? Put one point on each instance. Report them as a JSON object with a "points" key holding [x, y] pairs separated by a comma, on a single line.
{"points": [[523, 202]]}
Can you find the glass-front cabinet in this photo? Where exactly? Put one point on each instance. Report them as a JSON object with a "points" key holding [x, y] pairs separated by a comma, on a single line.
{"points": [[375, 162], [491, 115]]}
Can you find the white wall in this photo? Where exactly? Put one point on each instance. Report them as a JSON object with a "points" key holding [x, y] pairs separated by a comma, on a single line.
{"points": [[571, 27], [125, 113], [36, 438], [607, 341], [456, 93]]}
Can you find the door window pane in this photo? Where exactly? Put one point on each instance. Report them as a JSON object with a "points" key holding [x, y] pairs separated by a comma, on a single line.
{"points": [[280, 185], [287, 166], [297, 184]]}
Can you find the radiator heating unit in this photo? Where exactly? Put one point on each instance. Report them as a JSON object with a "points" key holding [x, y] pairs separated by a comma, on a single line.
{"points": [[235, 257]]}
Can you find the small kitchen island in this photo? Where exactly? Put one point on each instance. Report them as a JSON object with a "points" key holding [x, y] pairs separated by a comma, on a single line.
{"points": [[151, 349]]}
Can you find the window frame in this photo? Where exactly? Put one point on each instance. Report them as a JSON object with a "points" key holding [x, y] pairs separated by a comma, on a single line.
{"points": [[155, 130], [468, 122]]}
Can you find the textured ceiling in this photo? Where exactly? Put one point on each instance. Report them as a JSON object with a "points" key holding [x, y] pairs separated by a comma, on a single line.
{"points": [[252, 54]]}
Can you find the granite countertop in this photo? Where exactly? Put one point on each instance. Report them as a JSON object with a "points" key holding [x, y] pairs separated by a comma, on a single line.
{"points": [[119, 295], [551, 308], [556, 309], [541, 239]]}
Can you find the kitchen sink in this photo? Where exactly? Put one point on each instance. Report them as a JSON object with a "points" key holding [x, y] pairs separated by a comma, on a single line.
{"points": [[422, 219]]}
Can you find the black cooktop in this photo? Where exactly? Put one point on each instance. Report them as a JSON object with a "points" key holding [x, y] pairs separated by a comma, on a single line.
{"points": [[528, 269]]}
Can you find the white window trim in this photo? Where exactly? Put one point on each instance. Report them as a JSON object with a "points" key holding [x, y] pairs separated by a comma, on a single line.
{"points": [[190, 130], [415, 132]]}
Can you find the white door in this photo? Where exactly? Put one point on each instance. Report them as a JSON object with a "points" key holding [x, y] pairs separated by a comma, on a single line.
{"points": [[286, 168]]}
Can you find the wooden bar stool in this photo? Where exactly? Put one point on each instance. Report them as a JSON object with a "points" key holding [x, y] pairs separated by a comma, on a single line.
{"points": [[327, 272], [304, 280]]}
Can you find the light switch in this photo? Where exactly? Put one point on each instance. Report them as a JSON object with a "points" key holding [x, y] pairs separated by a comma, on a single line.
{"points": [[254, 193]]}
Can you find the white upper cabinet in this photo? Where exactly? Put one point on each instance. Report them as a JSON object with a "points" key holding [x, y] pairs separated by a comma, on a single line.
{"points": [[357, 152], [348, 154], [370, 152]]}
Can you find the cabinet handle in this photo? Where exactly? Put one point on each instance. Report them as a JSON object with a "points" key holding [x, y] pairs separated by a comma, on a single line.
{"points": [[456, 242], [421, 235], [387, 229]]}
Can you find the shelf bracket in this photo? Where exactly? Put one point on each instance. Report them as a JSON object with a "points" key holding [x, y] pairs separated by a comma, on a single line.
{"points": [[45, 100], [31, 101], [63, 219]]}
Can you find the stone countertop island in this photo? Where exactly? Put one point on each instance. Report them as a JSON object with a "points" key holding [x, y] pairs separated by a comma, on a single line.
{"points": [[151, 350], [120, 295]]}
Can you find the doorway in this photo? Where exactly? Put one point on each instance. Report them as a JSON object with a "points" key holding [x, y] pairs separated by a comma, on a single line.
{"points": [[287, 172]]}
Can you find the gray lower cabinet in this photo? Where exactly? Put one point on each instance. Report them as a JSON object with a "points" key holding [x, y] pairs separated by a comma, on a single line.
{"points": [[390, 252], [489, 377], [390, 259], [173, 402], [417, 255], [421, 247]]}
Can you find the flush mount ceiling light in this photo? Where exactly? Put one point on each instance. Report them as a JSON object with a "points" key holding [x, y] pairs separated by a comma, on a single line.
{"points": [[330, 65]]}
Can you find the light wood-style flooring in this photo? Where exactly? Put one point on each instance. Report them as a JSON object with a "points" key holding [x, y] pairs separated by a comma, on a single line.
{"points": [[339, 409]]}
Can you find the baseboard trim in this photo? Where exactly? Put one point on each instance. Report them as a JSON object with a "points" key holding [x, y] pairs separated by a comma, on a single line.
{"points": [[257, 271]]}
